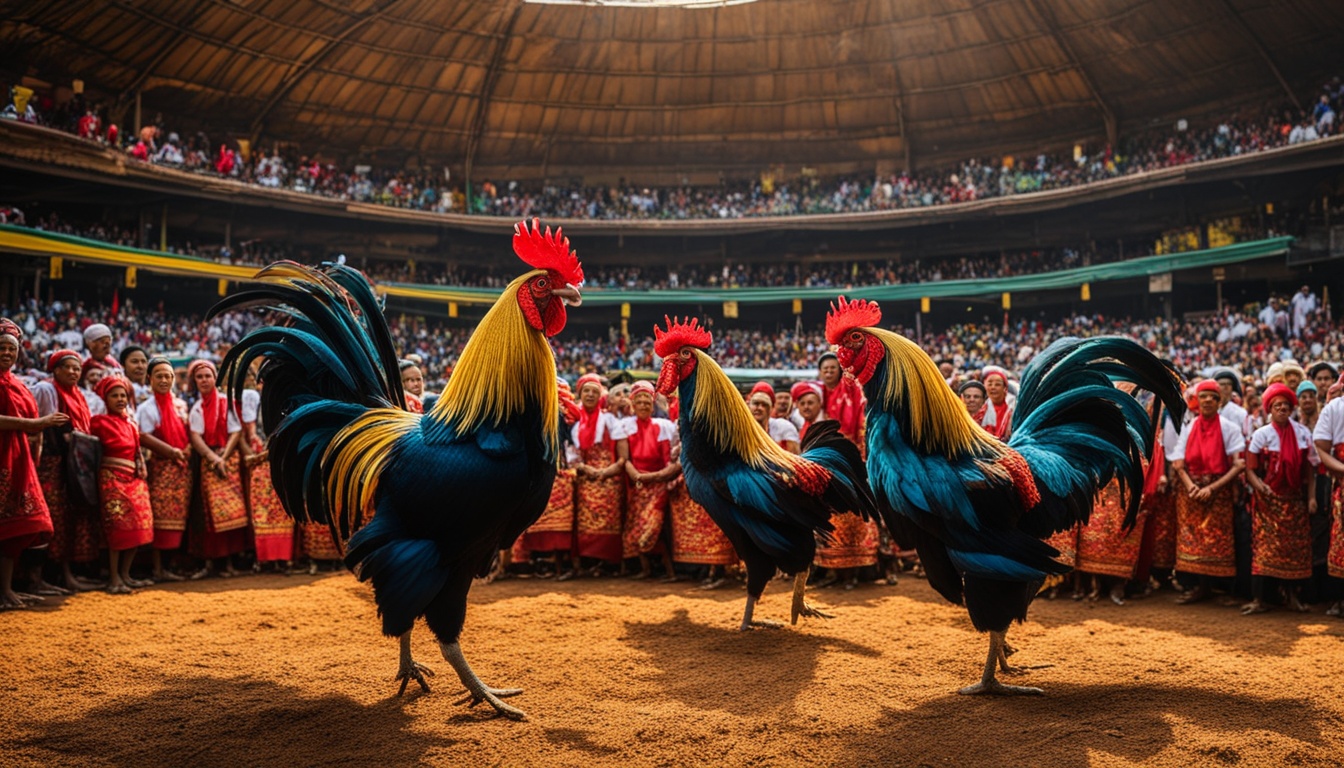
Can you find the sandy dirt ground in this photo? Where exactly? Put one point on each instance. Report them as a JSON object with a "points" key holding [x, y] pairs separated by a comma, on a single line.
{"points": [[274, 670]]}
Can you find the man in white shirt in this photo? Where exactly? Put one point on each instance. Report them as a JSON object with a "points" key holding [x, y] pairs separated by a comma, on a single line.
{"points": [[1229, 383], [1303, 304]]}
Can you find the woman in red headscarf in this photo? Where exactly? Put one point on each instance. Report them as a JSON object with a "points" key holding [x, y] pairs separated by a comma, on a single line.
{"points": [[598, 454], [128, 520], [74, 538], [996, 415], [1207, 458], [221, 529], [24, 519], [1281, 470], [649, 470], [163, 432]]}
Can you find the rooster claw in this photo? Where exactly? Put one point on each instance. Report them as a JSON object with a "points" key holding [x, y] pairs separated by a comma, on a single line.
{"points": [[760, 624], [995, 688], [417, 672], [492, 696]]}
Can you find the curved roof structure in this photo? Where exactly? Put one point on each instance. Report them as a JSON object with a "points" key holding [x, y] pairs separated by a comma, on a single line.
{"points": [[569, 86]]}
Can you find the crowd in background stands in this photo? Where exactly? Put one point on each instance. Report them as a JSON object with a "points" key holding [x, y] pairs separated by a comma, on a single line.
{"points": [[1251, 340], [774, 193], [810, 273]]}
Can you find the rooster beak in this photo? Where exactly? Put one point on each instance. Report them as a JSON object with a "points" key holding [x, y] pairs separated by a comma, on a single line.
{"points": [[569, 295]]}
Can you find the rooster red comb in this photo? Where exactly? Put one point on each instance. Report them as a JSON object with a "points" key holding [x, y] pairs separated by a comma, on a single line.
{"points": [[547, 251], [845, 315], [679, 334]]}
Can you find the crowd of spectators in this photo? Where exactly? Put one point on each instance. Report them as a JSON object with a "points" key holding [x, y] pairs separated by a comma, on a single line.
{"points": [[1249, 339], [809, 273], [773, 193]]}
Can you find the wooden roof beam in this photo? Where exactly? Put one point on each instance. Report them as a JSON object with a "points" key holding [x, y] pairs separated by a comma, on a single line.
{"points": [[1260, 49], [488, 89], [1047, 15], [306, 65]]}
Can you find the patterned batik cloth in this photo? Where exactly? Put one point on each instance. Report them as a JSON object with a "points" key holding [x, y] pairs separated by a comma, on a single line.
{"points": [[1103, 547], [599, 508], [170, 500], [696, 539], [1160, 509], [128, 517], [1280, 537], [1204, 539], [853, 543], [554, 530], [272, 527], [1066, 541], [74, 537], [646, 512]]}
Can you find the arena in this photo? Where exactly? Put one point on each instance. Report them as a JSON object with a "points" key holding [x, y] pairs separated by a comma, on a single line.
{"points": [[344, 342]]}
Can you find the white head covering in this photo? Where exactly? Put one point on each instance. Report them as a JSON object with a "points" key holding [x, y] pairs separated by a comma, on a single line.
{"points": [[96, 331]]}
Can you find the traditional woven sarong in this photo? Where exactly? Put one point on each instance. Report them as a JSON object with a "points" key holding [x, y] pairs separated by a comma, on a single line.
{"points": [[646, 511], [1204, 540], [696, 539], [1066, 542], [599, 507], [272, 527], [74, 537], [170, 500], [1160, 511], [1280, 537], [853, 543], [1103, 547], [318, 543], [554, 530], [24, 518], [128, 518], [1335, 559], [223, 522]]}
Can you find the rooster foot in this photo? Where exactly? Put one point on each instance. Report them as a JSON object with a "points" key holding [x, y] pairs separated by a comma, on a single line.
{"points": [[751, 624], [478, 691], [995, 688], [409, 668], [800, 606], [413, 671]]}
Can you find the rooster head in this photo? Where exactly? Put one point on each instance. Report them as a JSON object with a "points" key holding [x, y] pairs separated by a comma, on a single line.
{"points": [[846, 330], [543, 298], [674, 346]]}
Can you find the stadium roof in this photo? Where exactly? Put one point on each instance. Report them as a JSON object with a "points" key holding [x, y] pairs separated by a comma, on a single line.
{"points": [[554, 88]]}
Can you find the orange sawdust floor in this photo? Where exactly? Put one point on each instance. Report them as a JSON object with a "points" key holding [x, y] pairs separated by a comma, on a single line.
{"points": [[273, 670]]}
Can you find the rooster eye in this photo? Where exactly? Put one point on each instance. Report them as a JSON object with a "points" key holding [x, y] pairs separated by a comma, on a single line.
{"points": [[685, 354], [856, 336], [542, 282]]}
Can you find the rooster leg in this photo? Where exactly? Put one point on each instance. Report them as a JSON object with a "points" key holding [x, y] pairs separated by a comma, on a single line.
{"points": [[749, 623], [800, 606], [987, 682], [1007, 650], [478, 691], [410, 669]]}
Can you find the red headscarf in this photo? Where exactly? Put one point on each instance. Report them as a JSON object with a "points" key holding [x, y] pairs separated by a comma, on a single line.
{"points": [[120, 437], [70, 400], [1285, 475], [171, 429], [214, 408], [1204, 450], [588, 418]]}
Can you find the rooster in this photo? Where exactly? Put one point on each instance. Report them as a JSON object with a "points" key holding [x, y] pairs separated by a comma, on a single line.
{"points": [[770, 503], [975, 508], [430, 499]]}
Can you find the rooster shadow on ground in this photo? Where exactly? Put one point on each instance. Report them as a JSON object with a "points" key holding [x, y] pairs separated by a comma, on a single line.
{"points": [[770, 667], [209, 721], [1073, 723]]}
